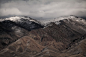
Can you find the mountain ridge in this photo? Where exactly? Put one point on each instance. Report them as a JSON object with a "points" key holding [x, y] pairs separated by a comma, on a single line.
{"points": [[55, 40]]}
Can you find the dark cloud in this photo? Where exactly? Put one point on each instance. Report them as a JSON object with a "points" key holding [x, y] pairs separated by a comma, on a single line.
{"points": [[43, 8]]}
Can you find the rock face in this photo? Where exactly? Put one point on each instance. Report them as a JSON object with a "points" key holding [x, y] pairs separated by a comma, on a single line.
{"points": [[28, 38]]}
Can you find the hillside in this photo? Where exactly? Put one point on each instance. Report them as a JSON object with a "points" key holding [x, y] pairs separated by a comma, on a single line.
{"points": [[65, 37]]}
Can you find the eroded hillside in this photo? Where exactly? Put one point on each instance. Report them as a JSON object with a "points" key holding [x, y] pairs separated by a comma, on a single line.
{"points": [[65, 39]]}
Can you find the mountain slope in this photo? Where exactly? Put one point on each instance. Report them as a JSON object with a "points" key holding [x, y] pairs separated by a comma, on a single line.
{"points": [[63, 39], [13, 28]]}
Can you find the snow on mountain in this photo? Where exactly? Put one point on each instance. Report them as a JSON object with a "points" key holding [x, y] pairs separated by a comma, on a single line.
{"points": [[68, 18], [18, 19], [45, 22], [24, 22], [74, 18]]}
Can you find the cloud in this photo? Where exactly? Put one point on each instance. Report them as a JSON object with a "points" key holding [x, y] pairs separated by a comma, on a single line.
{"points": [[9, 11], [43, 8]]}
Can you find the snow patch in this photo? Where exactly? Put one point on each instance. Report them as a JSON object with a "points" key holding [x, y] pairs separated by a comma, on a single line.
{"points": [[18, 19]]}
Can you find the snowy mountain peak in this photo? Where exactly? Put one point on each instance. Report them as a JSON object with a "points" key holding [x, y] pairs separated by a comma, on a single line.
{"points": [[44, 22], [65, 19], [19, 19], [13, 18]]}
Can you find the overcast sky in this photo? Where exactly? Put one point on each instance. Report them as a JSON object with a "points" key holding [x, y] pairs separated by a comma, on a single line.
{"points": [[43, 8]]}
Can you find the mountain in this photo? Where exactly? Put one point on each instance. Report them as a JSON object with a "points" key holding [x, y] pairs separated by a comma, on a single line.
{"points": [[26, 37], [13, 28]]}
